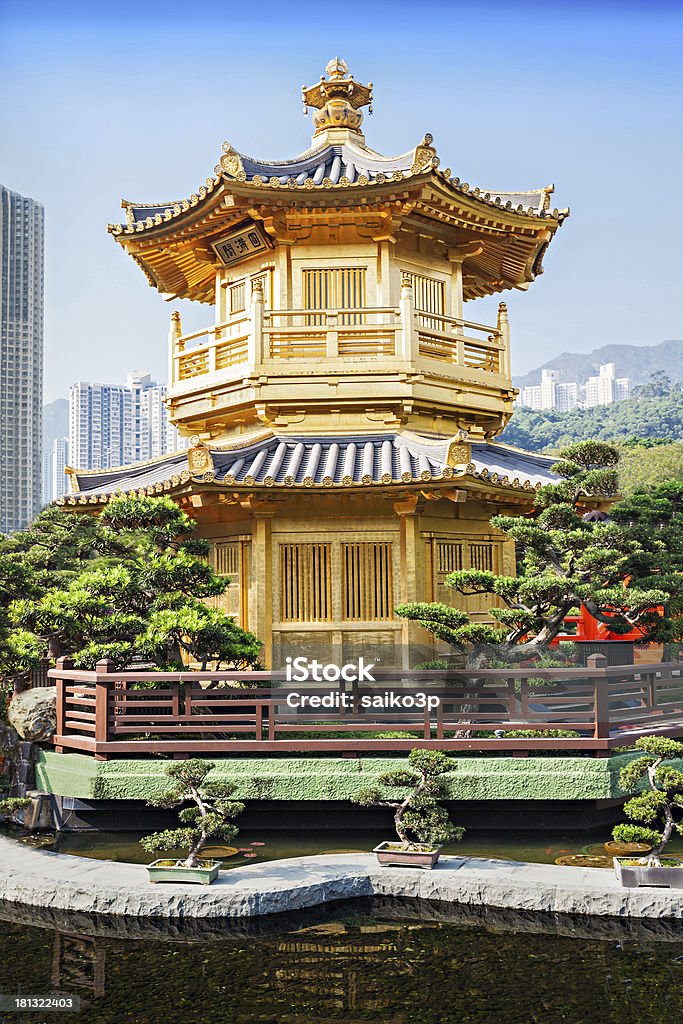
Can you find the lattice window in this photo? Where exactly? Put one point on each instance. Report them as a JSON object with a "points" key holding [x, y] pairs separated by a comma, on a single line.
{"points": [[237, 297], [334, 288], [226, 558], [429, 294], [481, 557], [239, 292], [449, 558], [366, 582], [305, 582]]}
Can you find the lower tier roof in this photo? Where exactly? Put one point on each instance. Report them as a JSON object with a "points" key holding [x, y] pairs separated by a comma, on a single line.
{"points": [[284, 461]]}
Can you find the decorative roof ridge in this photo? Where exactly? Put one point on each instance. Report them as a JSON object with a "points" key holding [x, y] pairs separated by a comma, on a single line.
{"points": [[126, 204], [495, 198], [518, 451], [227, 148], [242, 442], [412, 435], [75, 471]]}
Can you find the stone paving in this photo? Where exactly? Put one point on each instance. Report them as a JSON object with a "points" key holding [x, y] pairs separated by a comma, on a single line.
{"points": [[39, 878]]}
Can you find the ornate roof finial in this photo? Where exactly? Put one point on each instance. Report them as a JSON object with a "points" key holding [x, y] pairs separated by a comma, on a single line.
{"points": [[337, 99]]}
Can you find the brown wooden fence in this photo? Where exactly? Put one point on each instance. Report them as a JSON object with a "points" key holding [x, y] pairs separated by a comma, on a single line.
{"points": [[105, 714]]}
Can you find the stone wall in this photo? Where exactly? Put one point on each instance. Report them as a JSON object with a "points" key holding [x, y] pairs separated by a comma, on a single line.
{"points": [[308, 779]]}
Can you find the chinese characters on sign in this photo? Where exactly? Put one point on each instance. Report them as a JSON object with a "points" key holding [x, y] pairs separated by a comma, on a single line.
{"points": [[243, 243]]}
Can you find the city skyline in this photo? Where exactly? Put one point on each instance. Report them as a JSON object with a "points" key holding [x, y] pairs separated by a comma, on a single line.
{"points": [[119, 424], [601, 125]]}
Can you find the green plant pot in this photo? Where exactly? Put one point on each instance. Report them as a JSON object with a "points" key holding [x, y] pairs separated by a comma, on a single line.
{"points": [[168, 871], [422, 857]]}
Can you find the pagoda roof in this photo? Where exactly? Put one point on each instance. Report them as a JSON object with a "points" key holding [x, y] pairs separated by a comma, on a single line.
{"points": [[500, 235], [334, 166], [272, 461]]}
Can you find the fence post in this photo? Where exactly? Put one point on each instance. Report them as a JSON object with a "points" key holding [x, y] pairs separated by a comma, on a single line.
{"points": [[39, 674], [102, 706], [597, 663], [409, 334], [63, 665], [255, 342]]}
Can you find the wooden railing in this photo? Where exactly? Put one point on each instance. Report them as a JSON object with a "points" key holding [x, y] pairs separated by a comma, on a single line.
{"points": [[227, 345], [267, 337], [459, 342], [329, 333], [102, 713]]}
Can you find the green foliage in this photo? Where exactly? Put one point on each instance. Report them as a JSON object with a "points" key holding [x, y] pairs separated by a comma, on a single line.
{"points": [[620, 568], [541, 734], [644, 463], [209, 815], [649, 417], [418, 813], [9, 805], [636, 834], [128, 584], [657, 809]]}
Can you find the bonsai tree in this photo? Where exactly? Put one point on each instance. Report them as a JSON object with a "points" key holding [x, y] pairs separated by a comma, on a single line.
{"points": [[619, 567], [418, 813], [128, 584], [210, 814], [660, 805], [9, 805]]}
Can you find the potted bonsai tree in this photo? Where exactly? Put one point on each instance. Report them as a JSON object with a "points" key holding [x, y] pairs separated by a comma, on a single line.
{"points": [[421, 824], [11, 804], [659, 811], [209, 815]]}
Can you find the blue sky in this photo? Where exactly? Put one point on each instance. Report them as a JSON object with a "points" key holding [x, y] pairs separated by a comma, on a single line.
{"points": [[102, 101]]}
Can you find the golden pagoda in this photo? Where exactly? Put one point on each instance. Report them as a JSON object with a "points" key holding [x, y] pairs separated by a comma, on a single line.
{"points": [[342, 410]]}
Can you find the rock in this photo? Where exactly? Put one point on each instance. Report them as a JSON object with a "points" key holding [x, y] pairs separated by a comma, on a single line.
{"points": [[33, 713]]}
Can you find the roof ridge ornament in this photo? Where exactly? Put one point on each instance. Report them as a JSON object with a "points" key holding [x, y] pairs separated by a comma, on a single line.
{"points": [[337, 99]]}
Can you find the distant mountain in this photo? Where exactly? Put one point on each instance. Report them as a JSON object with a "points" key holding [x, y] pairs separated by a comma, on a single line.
{"points": [[634, 361], [55, 421]]}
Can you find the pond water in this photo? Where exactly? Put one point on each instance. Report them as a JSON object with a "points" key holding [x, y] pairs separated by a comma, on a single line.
{"points": [[257, 846], [385, 961]]}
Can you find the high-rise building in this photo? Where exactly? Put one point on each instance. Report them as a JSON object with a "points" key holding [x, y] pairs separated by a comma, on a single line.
{"points": [[116, 424], [550, 393], [54, 470], [606, 387], [22, 223], [602, 389]]}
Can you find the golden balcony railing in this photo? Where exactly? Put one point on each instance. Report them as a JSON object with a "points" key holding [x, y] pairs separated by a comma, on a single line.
{"points": [[268, 338]]}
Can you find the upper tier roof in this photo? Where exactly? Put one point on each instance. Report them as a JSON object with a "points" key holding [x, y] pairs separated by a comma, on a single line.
{"points": [[334, 166], [348, 163], [508, 231]]}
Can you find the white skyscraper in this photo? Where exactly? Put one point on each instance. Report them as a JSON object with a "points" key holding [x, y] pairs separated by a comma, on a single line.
{"points": [[54, 465], [606, 387], [21, 358], [116, 424], [602, 389], [550, 393]]}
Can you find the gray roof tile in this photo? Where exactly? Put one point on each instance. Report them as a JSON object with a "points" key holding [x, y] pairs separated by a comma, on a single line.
{"points": [[327, 461]]}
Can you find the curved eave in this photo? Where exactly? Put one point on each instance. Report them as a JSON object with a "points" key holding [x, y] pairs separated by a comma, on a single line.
{"points": [[269, 462], [508, 205], [166, 246]]}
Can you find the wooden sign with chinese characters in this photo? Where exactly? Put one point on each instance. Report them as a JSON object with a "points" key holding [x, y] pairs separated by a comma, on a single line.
{"points": [[240, 245]]}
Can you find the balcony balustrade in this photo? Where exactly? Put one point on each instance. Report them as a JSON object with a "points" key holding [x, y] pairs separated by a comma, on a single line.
{"points": [[279, 340]]}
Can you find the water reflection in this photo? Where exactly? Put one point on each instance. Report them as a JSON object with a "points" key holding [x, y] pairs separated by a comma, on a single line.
{"points": [[378, 959]]}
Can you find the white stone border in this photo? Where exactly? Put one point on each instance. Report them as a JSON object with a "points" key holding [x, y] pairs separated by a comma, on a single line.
{"points": [[39, 878]]}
